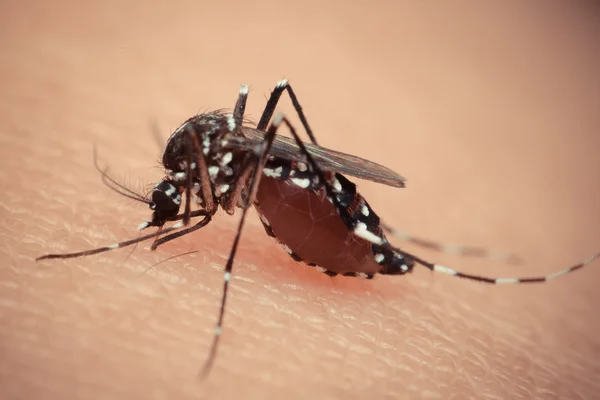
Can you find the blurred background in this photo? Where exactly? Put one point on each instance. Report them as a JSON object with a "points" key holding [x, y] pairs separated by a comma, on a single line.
{"points": [[489, 110]]}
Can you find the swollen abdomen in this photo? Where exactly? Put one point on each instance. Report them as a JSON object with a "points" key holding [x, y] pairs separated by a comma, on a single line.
{"points": [[307, 223]]}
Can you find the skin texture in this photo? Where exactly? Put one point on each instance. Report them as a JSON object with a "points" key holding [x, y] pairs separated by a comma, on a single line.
{"points": [[491, 114]]}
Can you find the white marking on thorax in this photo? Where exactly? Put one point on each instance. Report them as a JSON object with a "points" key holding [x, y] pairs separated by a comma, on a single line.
{"points": [[226, 158], [213, 170]]}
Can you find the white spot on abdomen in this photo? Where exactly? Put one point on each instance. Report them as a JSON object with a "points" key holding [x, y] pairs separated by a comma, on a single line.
{"points": [[361, 231]]}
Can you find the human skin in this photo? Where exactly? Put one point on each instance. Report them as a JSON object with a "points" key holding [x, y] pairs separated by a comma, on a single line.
{"points": [[491, 114]]}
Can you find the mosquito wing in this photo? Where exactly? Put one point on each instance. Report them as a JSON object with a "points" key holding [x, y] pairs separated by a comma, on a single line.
{"points": [[329, 160]]}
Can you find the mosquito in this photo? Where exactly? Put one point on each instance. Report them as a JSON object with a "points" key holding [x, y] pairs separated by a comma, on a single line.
{"points": [[304, 200]]}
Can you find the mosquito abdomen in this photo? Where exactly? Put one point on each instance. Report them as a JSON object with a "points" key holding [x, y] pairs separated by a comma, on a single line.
{"points": [[306, 223]]}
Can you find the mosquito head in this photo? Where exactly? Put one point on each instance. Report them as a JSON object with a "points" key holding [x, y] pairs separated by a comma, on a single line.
{"points": [[165, 202]]}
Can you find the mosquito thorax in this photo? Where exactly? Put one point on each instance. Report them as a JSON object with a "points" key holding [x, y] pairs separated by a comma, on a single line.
{"points": [[211, 132]]}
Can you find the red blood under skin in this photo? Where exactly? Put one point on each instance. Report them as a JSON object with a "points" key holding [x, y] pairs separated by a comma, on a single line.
{"points": [[309, 225]]}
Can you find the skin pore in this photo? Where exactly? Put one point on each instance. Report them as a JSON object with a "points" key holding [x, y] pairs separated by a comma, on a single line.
{"points": [[495, 129]]}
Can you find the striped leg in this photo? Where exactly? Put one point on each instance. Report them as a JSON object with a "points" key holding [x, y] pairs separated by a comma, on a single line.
{"points": [[126, 243], [496, 281], [257, 164], [398, 262]]}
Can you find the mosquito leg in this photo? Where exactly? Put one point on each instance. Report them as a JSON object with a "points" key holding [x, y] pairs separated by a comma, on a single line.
{"points": [[240, 106], [160, 232], [160, 228], [161, 221], [202, 170], [205, 221], [257, 166], [464, 251], [112, 246], [272, 104], [190, 167], [485, 279]]}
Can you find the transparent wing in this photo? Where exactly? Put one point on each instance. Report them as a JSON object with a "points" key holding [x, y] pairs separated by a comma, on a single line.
{"points": [[329, 160]]}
